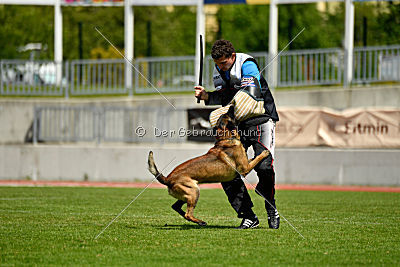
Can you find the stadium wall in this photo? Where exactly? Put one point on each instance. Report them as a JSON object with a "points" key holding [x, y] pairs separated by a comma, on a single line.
{"points": [[88, 162], [16, 114], [19, 159]]}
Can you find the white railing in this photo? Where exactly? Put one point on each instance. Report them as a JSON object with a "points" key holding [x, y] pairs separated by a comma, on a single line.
{"points": [[176, 74], [167, 74], [27, 77], [92, 77], [376, 64], [310, 67]]}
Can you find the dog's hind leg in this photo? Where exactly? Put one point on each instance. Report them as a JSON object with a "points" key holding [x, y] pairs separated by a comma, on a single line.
{"points": [[186, 191], [192, 199], [177, 206]]}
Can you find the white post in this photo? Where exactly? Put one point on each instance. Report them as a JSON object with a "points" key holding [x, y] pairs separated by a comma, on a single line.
{"points": [[273, 45], [128, 39], [348, 43], [200, 30], [58, 41]]}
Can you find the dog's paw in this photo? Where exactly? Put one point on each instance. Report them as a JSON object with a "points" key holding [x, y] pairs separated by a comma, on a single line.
{"points": [[201, 223], [265, 153]]}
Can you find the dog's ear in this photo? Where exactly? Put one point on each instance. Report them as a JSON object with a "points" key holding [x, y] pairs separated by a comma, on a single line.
{"points": [[220, 122], [231, 125], [231, 112]]}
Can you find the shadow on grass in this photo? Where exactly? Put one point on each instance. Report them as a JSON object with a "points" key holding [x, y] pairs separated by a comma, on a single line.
{"points": [[192, 226], [195, 226], [184, 227]]}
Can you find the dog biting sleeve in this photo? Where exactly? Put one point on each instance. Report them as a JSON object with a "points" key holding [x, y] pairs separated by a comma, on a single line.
{"points": [[214, 115], [245, 107]]}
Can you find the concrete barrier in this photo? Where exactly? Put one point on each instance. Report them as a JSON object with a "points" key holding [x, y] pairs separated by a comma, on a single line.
{"points": [[16, 114], [126, 162], [341, 98], [129, 163]]}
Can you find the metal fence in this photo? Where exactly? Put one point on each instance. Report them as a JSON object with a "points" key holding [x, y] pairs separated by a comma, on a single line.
{"points": [[27, 77], [310, 67], [109, 124], [376, 64], [91, 77], [167, 74], [176, 74]]}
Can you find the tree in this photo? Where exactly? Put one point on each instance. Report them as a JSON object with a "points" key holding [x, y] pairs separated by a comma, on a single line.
{"points": [[173, 29], [109, 20], [246, 26], [21, 25], [389, 20], [316, 33]]}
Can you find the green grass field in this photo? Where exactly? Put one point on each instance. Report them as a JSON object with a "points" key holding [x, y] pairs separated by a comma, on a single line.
{"points": [[57, 226]]}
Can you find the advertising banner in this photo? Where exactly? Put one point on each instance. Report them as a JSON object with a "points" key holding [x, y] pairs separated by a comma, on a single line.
{"points": [[310, 127], [352, 128]]}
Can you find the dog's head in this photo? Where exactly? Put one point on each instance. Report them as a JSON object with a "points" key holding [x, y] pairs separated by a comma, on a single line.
{"points": [[226, 127]]}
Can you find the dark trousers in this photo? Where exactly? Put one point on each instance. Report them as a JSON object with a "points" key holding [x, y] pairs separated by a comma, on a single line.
{"points": [[239, 198]]}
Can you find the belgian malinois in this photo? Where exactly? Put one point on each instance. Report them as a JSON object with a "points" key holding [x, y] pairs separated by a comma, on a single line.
{"points": [[220, 164]]}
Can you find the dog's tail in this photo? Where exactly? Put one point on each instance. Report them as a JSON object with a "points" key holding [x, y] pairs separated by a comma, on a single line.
{"points": [[153, 169]]}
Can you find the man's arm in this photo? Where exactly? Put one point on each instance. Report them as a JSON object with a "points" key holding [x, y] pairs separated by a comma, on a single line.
{"points": [[214, 98], [250, 70], [210, 98], [251, 79]]}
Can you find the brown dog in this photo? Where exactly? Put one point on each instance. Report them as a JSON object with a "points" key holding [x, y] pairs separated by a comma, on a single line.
{"points": [[218, 165]]}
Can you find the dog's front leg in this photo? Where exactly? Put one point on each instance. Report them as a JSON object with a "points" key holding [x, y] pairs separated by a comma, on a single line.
{"points": [[244, 166], [226, 159]]}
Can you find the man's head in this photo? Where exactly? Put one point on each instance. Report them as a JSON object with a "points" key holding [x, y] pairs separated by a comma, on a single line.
{"points": [[223, 54]]}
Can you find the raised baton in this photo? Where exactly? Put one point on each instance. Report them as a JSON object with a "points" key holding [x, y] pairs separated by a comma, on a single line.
{"points": [[201, 66]]}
